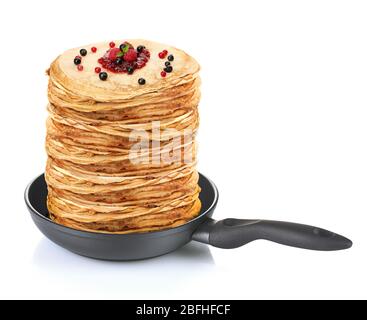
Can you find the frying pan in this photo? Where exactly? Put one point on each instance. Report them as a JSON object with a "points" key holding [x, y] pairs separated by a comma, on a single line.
{"points": [[227, 233]]}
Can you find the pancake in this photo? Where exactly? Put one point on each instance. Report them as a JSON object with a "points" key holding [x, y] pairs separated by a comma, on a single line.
{"points": [[100, 176], [90, 94]]}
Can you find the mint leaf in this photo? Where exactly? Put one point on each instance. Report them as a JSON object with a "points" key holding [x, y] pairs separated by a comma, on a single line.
{"points": [[125, 49]]}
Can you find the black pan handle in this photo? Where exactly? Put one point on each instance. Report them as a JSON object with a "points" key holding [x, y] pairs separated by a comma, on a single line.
{"points": [[234, 233]]}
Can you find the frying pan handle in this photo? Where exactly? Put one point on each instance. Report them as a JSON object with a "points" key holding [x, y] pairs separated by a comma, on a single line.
{"points": [[233, 233]]}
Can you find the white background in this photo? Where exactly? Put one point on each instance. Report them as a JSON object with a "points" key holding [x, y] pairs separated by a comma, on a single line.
{"points": [[283, 135]]}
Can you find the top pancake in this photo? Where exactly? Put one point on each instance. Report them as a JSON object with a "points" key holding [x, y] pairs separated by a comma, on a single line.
{"points": [[121, 86]]}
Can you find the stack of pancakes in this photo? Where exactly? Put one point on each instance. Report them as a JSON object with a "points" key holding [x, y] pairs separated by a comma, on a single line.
{"points": [[95, 181]]}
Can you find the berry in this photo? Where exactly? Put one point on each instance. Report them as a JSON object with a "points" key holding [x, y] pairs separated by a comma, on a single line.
{"points": [[80, 67], [112, 44], [161, 55], [163, 74], [112, 54], [118, 61], [168, 69], [130, 56], [94, 49], [165, 52], [167, 63], [140, 64], [140, 48], [97, 69], [171, 58], [103, 76], [77, 60], [83, 52], [141, 81]]}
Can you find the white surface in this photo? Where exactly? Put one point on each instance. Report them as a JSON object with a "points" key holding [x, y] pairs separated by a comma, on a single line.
{"points": [[283, 134]]}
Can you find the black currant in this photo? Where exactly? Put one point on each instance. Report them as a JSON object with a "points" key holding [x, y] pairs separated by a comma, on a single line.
{"points": [[83, 52], [119, 60], [77, 61], [171, 57], [130, 70], [167, 63], [103, 76], [140, 48], [168, 69], [141, 81]]}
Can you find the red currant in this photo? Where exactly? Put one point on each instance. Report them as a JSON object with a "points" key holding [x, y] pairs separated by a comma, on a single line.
{"points": [[165, 52], [100, 60], [97, 69], [112, 44], [80, 67], [94, 49], [163, 74], [161, 55]]}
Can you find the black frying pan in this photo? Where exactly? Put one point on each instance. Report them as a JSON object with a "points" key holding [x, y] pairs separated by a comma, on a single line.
{"points": [[228, 233]]}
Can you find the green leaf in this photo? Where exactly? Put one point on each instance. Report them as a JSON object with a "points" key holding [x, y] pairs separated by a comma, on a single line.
{"points": [[125, 49], [120, 54]]}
